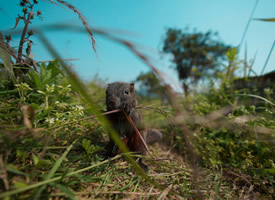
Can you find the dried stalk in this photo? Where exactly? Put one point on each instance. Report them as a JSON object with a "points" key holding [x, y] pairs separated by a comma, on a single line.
{"points": [[22, 40], [137, 132]]}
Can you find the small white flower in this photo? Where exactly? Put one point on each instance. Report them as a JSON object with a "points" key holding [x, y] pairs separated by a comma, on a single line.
{"points": [[50, 89], [64, 90], [79, 108], [23, 86], [50, 120]]}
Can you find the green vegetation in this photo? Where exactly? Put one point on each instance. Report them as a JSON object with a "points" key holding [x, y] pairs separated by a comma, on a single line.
{"points": [[218, 140], [195, 55]]}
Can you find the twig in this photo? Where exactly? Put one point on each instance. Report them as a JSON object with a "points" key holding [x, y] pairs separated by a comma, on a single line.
{"points": [[169, 174], [165, 192], [109, 192], [90, 117], [165, 113], [138, 133]]}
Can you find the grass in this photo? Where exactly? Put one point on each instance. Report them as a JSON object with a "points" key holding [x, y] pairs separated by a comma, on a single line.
{"points": [[61, 165]]}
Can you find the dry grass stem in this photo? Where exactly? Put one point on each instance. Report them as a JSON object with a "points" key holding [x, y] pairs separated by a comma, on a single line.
{"points": [[138, 133]]}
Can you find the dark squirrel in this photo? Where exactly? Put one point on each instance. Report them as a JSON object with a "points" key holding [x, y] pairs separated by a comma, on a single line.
{"points": [[121, 96]]}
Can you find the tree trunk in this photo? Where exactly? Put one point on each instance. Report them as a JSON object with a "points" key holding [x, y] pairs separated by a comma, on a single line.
{"points": [[185, 89]]}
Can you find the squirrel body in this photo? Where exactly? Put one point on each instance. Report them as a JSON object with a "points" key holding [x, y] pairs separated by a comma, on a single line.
{"points": [[121, 95]]}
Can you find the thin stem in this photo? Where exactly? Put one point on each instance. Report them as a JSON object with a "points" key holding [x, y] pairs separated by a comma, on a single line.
{"points": [[22, 40], [248, 23], [268, 58], [138, 133], [90, 117], [47, 101]]}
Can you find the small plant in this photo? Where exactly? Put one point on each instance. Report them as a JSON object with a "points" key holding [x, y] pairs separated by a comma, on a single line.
{"points": [[49, 90], [22, 89], [90, 148]]}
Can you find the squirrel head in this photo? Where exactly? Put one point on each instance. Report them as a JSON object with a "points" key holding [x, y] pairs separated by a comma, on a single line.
{"points": [[120, 95]]}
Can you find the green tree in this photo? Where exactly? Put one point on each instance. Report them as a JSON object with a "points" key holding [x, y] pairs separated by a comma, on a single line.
{"points": [[150, 85], [195, 55]]}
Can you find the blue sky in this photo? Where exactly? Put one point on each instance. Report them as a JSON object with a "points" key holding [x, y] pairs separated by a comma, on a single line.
{"points": [[148, 20]]}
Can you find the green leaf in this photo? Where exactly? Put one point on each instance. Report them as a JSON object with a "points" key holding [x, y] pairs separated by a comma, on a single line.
{"points": [[53, 170], [255, 96], [42, 183], [43, 163], [34, 77], [88, 143], [20, 184], [64, 189], [7, 92], [6, 58], [12, 168], [59, 161], [54, 67], [35, 159], [265, 171]]}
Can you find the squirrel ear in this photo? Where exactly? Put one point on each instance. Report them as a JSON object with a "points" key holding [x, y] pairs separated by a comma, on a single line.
{"points": [[132, 87], [108, 86]]}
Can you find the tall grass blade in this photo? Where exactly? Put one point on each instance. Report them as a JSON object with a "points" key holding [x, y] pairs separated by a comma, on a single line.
{"points": [[248, 23], [266, 20], [41, 183], [267, 59], [245, 61], [81, 17], [76, 83], [64, 189], [53, 170], [6, 58], [251, 65], [255, 96]]}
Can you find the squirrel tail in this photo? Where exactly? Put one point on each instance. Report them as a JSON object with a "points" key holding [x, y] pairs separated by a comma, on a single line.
{"points": [[153, 136]]}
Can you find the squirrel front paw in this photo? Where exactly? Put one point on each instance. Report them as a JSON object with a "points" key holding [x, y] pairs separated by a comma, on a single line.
{"points": [[126, 108]]}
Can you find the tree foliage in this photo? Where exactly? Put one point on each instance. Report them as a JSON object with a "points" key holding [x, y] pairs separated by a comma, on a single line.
{"points": [[196, 55], [150, 85]]}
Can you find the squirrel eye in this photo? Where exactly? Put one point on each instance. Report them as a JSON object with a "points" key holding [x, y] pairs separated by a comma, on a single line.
{"points": [[126, 91]]}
